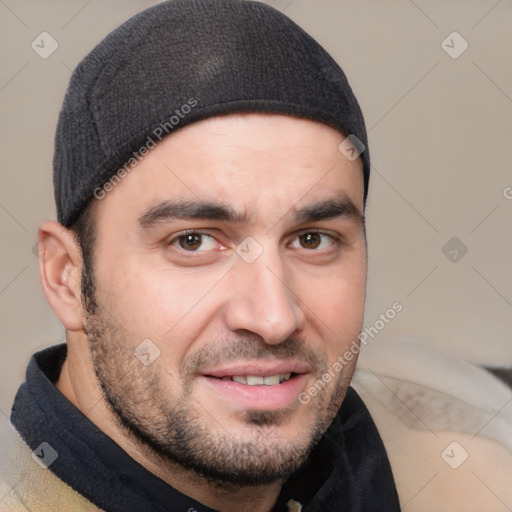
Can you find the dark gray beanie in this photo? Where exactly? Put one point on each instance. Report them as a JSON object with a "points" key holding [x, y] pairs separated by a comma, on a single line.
{"points": [[179, 62]]}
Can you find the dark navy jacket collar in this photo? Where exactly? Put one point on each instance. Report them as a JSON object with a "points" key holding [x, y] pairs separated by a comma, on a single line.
{"points": [[347, 471]]}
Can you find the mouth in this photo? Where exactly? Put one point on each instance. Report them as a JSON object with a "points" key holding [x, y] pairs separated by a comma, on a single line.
{"points": [[258, 386], [259, 380], [259, 373]]}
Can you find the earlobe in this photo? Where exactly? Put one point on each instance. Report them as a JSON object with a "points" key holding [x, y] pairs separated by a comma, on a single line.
{"points": [[60, 267]]}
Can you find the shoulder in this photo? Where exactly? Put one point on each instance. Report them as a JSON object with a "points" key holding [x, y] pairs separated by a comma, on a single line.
{"points": [[446, 425], [27, 483]]}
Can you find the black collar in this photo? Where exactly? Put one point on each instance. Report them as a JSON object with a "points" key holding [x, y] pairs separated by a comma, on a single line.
{"points": [[348, 470]]}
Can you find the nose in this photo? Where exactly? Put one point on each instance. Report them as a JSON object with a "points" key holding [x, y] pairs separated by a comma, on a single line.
{"points": [[263, 301]]}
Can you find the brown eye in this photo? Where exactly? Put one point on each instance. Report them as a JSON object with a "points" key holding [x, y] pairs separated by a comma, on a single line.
{"points": [[190, 242], [313, 241], [195, 244], [310, 240]]}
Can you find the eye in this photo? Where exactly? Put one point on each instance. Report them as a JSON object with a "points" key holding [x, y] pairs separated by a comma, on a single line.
{"points": [[313, 240], [194, 242]]}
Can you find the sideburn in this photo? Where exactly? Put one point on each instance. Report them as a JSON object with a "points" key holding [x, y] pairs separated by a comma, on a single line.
{"points": [[85, 234]]}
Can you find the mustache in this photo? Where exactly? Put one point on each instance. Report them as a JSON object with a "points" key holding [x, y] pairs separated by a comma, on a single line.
{"points": [[247, 348]]}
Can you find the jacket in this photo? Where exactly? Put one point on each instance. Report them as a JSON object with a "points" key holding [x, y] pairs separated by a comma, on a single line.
{"points": [[58, 460]]}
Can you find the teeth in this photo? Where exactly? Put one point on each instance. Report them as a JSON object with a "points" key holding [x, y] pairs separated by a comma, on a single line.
{"points": [[271, 380], [255, 380]]}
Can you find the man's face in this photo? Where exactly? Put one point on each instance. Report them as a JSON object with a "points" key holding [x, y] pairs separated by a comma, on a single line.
{"points": [[237, 248]]}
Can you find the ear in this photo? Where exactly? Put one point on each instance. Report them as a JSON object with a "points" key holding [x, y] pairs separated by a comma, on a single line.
{"points": [[60, 269]]}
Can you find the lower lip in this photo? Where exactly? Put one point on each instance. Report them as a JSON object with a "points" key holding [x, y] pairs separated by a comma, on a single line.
{"points": [[259, 398]]}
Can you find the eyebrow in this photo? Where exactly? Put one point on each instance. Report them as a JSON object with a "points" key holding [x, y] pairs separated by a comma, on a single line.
{"points": [[337, 207], [169, 210]]}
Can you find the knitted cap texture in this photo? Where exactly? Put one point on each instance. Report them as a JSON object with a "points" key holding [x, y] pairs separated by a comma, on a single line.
{"points": [[182, 61]]}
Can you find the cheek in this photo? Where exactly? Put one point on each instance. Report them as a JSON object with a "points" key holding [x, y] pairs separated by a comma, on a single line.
{"points": [[336, 305], [133, 298], [156, 303]]}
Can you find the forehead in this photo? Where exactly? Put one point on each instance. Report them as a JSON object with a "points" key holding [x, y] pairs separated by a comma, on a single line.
{"points": [[253, 162]]}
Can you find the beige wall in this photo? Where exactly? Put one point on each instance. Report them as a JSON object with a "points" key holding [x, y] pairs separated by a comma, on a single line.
{"points": [[440, 133]]}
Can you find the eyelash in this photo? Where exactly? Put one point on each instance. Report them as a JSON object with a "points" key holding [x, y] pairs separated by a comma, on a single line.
{"points": [[335, 240], [183, 234]]}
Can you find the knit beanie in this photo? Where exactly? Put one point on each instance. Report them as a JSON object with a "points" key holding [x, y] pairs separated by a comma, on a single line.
{"points": [[182, 61]]}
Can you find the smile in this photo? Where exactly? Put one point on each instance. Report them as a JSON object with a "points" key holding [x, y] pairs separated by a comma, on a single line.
{"points": [[258, 380], [257, 385]]}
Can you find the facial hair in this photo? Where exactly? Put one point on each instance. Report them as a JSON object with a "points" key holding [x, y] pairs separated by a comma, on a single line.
{"points": [[175, 426]]}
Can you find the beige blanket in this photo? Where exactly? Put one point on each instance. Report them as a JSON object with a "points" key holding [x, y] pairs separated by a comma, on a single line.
{"points": [[446, 424]]}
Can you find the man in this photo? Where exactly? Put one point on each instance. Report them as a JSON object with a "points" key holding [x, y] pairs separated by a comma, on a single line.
{"points": [[209, 266]]}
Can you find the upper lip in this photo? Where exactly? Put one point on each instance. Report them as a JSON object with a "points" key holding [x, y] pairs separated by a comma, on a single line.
{"points": [[260, 368]]}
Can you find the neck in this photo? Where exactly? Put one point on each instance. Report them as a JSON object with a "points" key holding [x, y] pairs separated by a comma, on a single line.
{"points": [[217, 495], [214, 494]]}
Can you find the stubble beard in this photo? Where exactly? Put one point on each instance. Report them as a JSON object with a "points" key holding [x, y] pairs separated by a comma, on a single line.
{"points": [[176, 433]]}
